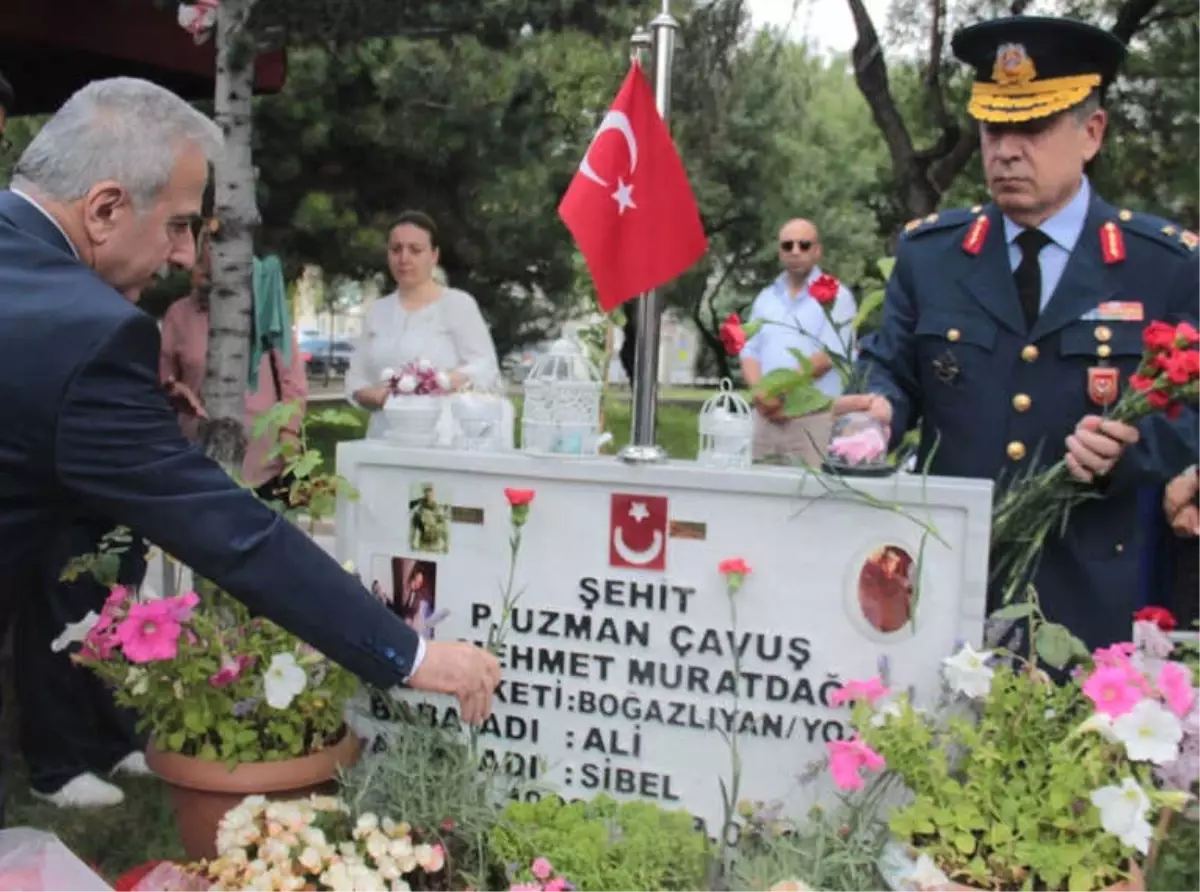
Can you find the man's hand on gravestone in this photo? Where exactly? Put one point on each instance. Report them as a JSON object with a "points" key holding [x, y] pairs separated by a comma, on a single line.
{"points": [[1097, 443], [463, 670], [878, 407]]}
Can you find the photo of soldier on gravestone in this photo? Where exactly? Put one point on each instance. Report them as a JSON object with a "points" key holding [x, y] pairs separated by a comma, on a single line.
{"points": [[885, 588], [415, 585], [428, 520]]}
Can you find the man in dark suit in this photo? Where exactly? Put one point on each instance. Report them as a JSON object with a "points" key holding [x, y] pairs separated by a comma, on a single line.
{"points": [[103, 198], [1006, 327]]}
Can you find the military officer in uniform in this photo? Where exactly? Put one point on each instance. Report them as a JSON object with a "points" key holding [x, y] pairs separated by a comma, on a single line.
{"points": [[1008, 327]]}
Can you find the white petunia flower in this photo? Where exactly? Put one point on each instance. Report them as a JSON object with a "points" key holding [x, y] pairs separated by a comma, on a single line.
{"points": [[74, 633], [968, 673], [1150, 732], [1123, 812], [283, 681], [889, 707], [926, 875]]}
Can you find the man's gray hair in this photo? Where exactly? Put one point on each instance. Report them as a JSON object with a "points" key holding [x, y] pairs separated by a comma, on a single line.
{"points": [[122, 129], [1084, 110]]}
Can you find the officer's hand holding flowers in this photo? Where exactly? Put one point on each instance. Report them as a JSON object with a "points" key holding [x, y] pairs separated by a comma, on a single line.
{"points": [[1096, 445]]}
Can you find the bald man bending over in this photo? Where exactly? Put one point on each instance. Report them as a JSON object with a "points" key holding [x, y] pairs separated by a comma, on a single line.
{"points": [[803, 325]]}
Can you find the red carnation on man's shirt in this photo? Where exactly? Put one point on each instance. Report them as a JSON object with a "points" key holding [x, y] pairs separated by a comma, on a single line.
{"points": [[733, 337], [824, 289], [1160, 616]]}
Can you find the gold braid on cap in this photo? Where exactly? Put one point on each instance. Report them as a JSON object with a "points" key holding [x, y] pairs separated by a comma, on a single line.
{"points": [[1005, 103]]}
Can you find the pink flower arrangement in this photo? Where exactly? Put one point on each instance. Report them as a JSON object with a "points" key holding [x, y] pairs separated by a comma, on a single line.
{"points": [[417, 378], [865, 446], [542, 869]]}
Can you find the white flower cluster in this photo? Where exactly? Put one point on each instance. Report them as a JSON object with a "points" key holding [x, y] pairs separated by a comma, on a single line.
{"points": [[265, 845]]}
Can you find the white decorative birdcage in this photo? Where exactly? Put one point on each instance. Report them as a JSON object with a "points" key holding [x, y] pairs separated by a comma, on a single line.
{"points": [[561, 415], [726, 430]]}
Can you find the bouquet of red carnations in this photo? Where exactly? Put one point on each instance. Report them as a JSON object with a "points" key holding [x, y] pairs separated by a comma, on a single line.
{"points": [[1034, 507], [417, 378]]}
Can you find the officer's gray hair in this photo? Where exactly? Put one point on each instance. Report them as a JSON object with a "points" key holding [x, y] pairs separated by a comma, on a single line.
{"points": [[1084, 110], [122, 129]]}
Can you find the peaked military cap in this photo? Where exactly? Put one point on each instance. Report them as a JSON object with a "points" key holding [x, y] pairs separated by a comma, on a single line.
{"points": [[1031, 67]]}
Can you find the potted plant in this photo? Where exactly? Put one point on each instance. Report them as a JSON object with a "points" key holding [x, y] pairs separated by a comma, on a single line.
{"points": [[1014, 782], [234, 705]]}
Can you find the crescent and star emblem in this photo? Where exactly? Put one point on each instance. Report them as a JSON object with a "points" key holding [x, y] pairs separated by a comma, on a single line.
{"points": [[631, 556], [623, 196]]}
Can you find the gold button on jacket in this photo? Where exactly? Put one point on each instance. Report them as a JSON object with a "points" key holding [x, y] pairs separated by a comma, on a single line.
{"points": [[1029, 353], [1016, 450], [1021, 402]]}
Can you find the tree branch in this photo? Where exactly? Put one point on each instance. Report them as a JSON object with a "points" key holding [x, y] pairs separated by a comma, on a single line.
{"points": [[1131, 18], [871, 74]]}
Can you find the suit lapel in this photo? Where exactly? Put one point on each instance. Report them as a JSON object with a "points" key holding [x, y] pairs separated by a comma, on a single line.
{"points": [[31, 220], [990, 280], [1084, 283]]}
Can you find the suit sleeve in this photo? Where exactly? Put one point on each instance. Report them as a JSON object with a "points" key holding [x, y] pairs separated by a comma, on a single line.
{"points": [[888, 363], [1166, 446], [120, 453]]}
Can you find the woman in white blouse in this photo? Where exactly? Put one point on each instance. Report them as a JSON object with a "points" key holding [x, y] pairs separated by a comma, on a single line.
{"points": [[421, 319]]}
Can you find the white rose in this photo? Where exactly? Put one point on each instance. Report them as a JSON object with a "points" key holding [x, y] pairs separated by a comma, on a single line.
{"points": [[406, 384]]}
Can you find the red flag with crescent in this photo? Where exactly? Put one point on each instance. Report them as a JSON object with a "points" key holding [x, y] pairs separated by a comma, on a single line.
{"points": [[637, 532], [630, 207]]}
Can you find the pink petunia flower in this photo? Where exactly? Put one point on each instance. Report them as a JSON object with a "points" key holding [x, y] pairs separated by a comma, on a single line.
{"points": [[1117, 655], [116, 599], [101, 639], [541, 868], [847, 758], [870, 690], [231, 670], [525, 887], [558, 884], [1175, 684], [182, 605], [149, 633], [1110, 688]]}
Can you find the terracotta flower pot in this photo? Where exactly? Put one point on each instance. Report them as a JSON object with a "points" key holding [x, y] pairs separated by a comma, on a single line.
{"points": [[202, 791], [1135, 883]]}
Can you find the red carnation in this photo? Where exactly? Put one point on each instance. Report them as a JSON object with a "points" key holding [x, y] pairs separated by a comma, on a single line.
{"points": [[1159, 336], [1160, 616], [1186, 335], [824, 289], [733, 337], [1181, 366], [519, 497], [1157, 399], [733, 565], [1141, 383]]}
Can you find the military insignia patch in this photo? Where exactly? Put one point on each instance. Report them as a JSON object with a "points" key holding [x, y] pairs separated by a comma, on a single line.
{"points": [[1013, 66], [976, 235], [1103, 384], [1112, 243], [945, 367]]}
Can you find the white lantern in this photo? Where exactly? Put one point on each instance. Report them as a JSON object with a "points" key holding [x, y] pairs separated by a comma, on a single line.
{"points": [[726, 430], [561, 415]]}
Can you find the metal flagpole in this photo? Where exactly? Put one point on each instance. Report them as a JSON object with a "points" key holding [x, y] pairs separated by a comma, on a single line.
{"points": [[642, 449]]}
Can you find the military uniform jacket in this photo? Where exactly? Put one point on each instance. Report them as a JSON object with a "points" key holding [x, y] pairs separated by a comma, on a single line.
{"points": [[85, 427], [994, 399]]}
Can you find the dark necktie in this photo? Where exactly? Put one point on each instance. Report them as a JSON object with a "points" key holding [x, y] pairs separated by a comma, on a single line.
{"points": [[1028, 274]]}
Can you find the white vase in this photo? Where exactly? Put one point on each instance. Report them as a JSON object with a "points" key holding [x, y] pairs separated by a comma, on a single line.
{"points": [[413, 420]]}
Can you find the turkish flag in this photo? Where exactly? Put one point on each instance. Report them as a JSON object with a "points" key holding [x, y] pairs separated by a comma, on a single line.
{"points": [[630, 206], [637, 532]]}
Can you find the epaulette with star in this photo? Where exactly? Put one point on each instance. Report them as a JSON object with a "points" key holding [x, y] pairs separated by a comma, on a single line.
{"points": [[1158, 230], [939, 221]]}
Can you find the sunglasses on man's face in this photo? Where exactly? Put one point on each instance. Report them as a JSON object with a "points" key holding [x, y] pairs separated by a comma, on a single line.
{"points": [[788, 244]]}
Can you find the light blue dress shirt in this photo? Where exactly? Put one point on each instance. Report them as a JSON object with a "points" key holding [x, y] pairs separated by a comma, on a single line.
{"points": [[1063, 230], [802, 324]]}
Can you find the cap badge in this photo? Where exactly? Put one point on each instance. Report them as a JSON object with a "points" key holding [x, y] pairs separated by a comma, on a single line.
{"points": [[1013, 66]]}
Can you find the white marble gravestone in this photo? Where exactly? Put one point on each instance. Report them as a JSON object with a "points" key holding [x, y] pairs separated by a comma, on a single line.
{"points": [[618, 658]]}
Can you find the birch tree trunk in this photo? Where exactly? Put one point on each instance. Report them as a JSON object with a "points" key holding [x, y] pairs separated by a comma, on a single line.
{"points": [[236, 212]]}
